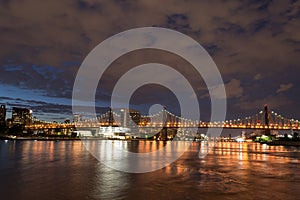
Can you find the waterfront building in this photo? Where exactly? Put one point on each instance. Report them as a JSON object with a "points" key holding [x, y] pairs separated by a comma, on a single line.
{"points": [[128, 116], [2, 114], [21, 116], [135, 116]]}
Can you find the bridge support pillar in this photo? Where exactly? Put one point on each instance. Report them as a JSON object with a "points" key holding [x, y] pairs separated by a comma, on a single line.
{"points": [[266, 112], [164, 134]]}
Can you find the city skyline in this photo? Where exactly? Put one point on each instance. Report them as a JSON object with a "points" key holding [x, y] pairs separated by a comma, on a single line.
{"points": [[255, 45], [149, 99]]}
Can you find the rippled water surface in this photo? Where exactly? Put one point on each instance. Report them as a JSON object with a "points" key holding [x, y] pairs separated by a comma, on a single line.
{"points": [[66, 170]]}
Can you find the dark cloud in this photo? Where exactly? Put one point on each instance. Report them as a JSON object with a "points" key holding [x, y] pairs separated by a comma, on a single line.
{"points": [[256, 42], [284, 87], [178, 22], [48, 111], [91, 5]]}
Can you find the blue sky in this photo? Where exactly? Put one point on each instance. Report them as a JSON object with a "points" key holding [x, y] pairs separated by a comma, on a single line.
{"points": [[254, 43]]}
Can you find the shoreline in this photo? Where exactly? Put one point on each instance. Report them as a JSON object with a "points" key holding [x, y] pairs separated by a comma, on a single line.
{"points": [[36, 138], [18, 138], [284, 143]]}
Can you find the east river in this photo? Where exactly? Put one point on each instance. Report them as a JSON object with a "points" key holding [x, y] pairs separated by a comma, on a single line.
{"points": [[66, 170]]}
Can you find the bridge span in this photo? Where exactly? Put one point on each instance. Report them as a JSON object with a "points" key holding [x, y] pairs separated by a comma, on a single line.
{"points": [[263, 120]]}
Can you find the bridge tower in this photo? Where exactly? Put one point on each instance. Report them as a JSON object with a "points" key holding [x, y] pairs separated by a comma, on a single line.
{"points": [[110, 118], [164, 130], [267, 120]]}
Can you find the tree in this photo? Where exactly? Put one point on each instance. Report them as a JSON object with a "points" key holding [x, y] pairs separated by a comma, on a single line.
{"points": [[16, 129], [3, 128]]}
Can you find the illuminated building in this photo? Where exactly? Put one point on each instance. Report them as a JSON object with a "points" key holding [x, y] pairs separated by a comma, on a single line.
{"points": [[76, 118], [135, 116], [2, 114], [21, 116], [129, 120], [128, 116]]}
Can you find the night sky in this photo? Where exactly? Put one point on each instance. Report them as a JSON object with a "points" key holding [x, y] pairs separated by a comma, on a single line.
{"points": [[254, 43]]}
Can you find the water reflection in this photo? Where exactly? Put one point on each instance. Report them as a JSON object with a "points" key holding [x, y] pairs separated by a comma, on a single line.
{"points": [[65, 170], [136, 156], [110, 184]]}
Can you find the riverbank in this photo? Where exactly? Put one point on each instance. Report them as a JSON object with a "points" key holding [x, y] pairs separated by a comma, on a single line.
{"points": [[283, 143], [59, 138], [65, 138], [10, 137]]}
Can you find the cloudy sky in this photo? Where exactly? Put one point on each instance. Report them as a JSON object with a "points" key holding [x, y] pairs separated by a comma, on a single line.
{"points": [[254, 43]]}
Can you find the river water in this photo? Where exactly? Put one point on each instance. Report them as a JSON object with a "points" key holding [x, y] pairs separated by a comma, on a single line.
{"points": [[66, 170]]}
